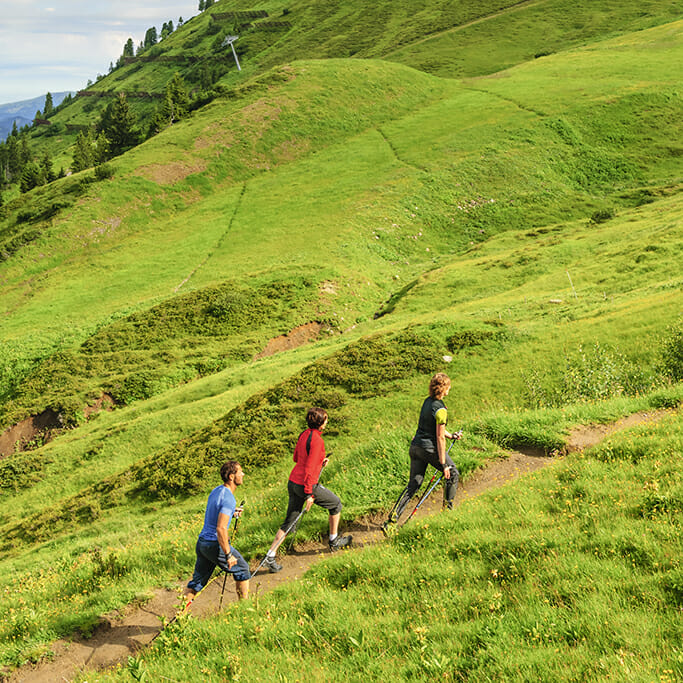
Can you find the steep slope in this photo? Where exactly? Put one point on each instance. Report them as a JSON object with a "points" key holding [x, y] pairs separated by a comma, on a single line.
{"points": [[382, 169], [493, 227], [449, 39]]}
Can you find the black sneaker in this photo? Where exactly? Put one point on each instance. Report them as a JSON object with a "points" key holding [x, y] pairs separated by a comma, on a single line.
{"points": [[340, 542], [270, 563]]}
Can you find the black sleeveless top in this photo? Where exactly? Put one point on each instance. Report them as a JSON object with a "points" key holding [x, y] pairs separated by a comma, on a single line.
{"points": [[425, 436]]}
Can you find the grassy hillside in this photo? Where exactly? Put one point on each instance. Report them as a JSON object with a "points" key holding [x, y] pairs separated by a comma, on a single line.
{"points": [[445, 38], [520, 231], [572, 574]]}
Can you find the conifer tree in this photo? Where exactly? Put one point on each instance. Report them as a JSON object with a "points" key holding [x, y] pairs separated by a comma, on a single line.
{"points": [[128, 49], [31, 176], [83, 156], [177, 100], [24, 152], [13, 158], [151, 37], [101, 153], [48, 108], [46, 168], [118, 125], [175, 106]]}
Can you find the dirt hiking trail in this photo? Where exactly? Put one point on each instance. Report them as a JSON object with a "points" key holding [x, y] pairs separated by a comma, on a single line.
{"points": [[122, 634]]}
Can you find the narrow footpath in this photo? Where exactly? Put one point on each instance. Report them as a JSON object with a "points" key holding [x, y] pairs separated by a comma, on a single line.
{"points": [[122, 635]]}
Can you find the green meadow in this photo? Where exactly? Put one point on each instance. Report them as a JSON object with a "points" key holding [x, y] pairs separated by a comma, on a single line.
{"points": [[487, 189]]}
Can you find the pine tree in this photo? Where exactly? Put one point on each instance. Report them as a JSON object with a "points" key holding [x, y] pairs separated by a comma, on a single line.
{"points": [[101, 151], [118, 125], [46, 168], [83, 152], [13, 159], [175, 106], [177, 100], [49, 106], [128, 49], [151, 37], [24, 152], [157, 123], [201, 5], [205, 77], [31, 177]]}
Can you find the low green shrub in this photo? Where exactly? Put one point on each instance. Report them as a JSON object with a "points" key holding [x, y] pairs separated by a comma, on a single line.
{"points": [[592, 373], [104, 171], [264, 430], [672, 352], [149, 352]]}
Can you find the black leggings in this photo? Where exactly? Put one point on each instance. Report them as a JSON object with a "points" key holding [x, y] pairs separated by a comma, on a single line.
{"points": [[297, 498], [419, 460]]}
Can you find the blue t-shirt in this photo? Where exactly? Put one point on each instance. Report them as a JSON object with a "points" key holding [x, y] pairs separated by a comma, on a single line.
{"points": [[220, 500]]}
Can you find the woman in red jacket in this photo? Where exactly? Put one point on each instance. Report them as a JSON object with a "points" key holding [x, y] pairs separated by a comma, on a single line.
{"points": [[304, 489]]}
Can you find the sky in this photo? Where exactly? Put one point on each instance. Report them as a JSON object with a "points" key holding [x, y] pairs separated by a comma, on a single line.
{"points": [[57, 45]]}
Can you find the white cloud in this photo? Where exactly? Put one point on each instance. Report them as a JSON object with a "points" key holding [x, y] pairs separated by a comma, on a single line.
{"points": [[54, 48]]}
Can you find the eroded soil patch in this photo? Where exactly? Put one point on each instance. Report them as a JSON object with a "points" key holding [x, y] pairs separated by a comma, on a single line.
{"points": [[18, 437], [299, 336]]}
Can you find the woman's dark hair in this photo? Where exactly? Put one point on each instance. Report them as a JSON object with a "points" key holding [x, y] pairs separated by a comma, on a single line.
{"points": [[227, 469], [315, 418]]}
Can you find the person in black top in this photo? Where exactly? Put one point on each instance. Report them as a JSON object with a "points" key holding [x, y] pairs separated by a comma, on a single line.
{"points": [[428, 447]]}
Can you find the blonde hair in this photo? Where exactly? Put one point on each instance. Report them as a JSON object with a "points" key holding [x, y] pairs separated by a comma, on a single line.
{"points": [[439, 384]]}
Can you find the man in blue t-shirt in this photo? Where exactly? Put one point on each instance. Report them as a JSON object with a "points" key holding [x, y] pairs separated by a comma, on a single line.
{"points": [[213, 545]]}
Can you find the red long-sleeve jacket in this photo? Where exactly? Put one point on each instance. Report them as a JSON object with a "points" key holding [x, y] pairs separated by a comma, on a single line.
{"points": [[309, 461]]}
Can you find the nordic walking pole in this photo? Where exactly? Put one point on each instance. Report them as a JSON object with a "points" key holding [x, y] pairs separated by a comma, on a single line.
{"points": [[293, 525], [289, 528], [425, 495], [234, 536], [430, 487], [291, 540]]}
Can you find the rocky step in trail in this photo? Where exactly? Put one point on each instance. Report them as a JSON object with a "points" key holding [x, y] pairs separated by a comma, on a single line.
{"points": [[123, 634]]}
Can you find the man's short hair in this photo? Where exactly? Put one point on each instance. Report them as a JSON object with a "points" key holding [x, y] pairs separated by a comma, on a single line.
{"points": [[438, 385], [227, 469], [315, 418]]}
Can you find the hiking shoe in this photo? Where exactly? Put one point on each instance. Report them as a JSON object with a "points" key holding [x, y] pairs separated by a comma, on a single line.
{"points": [[340, 542], [447, 505], [270, 563]]}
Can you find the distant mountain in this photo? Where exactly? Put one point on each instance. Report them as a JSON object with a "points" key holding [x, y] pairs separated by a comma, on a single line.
{"points": [[23, 112]]}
